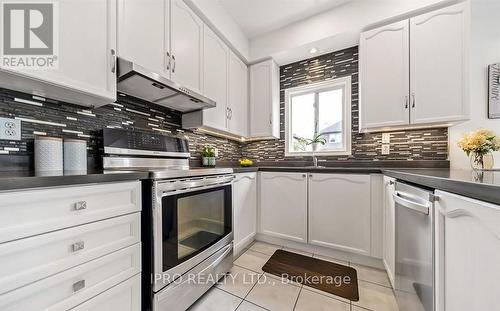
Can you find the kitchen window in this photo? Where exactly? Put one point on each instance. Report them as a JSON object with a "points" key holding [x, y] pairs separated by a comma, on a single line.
{"points": [[318, 110]]}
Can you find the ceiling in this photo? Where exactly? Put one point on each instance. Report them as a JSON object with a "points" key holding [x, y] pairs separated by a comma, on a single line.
{"points": [[256, 17]]}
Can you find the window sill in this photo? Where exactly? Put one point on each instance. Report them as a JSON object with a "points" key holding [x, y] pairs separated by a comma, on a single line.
{"points": [[318, 154]]}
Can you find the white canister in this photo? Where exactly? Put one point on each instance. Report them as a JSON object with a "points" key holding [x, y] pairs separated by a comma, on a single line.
{"points": [[75, 155], [48, 153]]}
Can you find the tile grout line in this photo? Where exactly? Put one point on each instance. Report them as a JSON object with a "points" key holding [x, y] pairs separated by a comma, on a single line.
{"points": [[245, 299], [297, 299]]}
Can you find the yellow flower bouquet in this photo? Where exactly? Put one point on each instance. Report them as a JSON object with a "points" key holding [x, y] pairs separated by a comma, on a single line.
{"points": [[479, 145]]}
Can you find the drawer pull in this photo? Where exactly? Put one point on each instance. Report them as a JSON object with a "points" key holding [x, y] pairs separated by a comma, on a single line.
{"points": [[78, 246], [79, 286], [80, 205]]}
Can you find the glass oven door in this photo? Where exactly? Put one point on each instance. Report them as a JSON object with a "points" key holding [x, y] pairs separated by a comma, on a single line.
{"points": [[193, 223]]}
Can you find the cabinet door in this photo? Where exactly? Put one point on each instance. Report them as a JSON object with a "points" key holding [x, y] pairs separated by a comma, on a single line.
{"points": [[244, 210], [468, 248], [264, 103], [215, 73], [87, 50], [389, 248], [146, 42], [238, 96], [283, 205], [439, 65], [186, 39], [384, 74], [339, 212]]}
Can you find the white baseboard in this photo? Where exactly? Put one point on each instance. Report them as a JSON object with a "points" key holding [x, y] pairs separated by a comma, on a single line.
{"points": [[389, 274], [351, 257], [242, 245]]}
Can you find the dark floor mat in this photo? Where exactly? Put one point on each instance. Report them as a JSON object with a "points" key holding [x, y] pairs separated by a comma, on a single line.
{"points": [[199, 239], [323, 275]]}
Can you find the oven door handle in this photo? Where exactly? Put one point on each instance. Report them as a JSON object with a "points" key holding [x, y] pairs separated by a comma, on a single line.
{"points": [[175, 192], [218, 260]]}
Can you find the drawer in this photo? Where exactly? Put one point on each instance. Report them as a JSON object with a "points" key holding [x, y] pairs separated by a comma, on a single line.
{"points": [[125, 296], [28, 260], [72, 287], [30, 212]]}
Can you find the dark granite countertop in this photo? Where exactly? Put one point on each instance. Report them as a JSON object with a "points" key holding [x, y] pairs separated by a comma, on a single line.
{"points": [[483, 186], [29, 179]]}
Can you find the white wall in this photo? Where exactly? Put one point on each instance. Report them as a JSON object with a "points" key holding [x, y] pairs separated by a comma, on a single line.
{"points": [[485, 50], [339, 27], [223, 24]]}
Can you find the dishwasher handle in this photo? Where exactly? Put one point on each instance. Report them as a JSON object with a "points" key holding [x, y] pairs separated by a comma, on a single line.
{"points": [[415, 206]]}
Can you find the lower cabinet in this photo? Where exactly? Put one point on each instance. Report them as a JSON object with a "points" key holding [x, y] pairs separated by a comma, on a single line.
{"points": [[468, 253], [244, 210], [340, 212], [388, 231], [283, 205]]}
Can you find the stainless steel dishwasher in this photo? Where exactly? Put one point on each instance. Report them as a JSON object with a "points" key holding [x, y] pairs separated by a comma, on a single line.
{"points": [[414, 275]]}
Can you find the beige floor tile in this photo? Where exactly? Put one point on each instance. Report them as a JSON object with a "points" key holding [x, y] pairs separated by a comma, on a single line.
{"points": [[375, 297], [265, 248], [252, 260], [331, 259], [298, 251], [372, 275], [239, 282], [280, 279], [248, 306], [356, 308], [309, 300], [274, 295], [326, 294], [216, 300]]}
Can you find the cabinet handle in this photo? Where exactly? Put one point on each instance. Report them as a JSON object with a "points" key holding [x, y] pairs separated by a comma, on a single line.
{"points": [[173, 66], [81, 205], [168, 61], [270, 119], [78, 286], [406, 101], [78, 246], [413, 99], [230, 114], [304, 175], [391, 182], [113, 61]]}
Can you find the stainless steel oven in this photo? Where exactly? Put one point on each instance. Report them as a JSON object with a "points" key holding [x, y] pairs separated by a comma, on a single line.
{"points": [[192, 219]]}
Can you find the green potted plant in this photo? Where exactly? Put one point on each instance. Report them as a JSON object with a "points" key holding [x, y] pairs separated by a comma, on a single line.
{"points": [[304, 142], [208, 156]]}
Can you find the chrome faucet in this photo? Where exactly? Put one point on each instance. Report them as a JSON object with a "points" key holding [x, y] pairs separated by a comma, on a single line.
{"points": [[315, 160]]}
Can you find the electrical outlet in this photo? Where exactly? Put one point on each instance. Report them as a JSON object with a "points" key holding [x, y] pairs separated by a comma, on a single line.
{"points": [[10, 129], [386, 149], [386, 138], [216, 152]]}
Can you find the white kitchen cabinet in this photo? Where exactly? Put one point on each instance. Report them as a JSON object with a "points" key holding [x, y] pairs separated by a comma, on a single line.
{"points": [[389, 234], [238, 96], [244, 210], [215, 80], [339, 212], [186, 44], [414, 73], [384, 72], [439, 61], [86, 72], [264, 100], [125, 296], [147, 42], [468, 253], [283, 205]]}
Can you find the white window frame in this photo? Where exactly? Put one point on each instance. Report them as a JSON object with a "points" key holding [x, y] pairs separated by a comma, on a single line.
{"points": [[345, 84]]}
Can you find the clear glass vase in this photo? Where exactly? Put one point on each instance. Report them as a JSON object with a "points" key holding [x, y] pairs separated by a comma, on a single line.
{"points": [[481, 162]]}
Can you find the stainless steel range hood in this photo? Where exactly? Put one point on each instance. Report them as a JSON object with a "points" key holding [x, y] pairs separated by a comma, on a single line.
{"points": [[137, 81]]}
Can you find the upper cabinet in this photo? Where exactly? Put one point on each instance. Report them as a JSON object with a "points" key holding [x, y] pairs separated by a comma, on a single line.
{"points": [[186, 39], [264, 100], [385, 83], [414, 73], [439, 65], [86, 56], [238, 96], [146, 43]]}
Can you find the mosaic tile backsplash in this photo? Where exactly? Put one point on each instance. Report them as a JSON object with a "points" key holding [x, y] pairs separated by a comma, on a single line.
{"points": [[53, 118], [429, 144], [60, 119]]}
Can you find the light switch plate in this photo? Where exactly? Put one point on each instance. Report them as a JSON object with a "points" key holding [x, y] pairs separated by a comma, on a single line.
{"points": [[10, 129], [386, 138], [386, 149]]}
